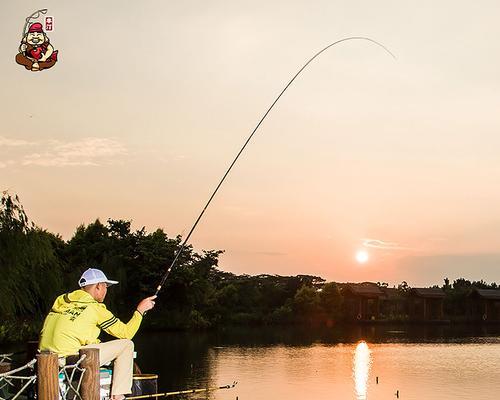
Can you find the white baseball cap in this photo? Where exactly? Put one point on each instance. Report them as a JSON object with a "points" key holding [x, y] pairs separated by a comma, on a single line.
{"points": [[93, 275]]}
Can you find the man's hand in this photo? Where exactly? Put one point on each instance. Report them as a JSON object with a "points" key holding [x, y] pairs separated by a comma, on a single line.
{"points": [[146, 304]]}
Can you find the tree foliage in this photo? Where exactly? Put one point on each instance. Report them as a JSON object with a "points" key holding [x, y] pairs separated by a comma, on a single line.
{"points": [[29, 261]]}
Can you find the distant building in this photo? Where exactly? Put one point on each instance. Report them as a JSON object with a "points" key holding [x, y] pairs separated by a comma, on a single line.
{"points": [[426, 304], [362, 301], [483, 305]]}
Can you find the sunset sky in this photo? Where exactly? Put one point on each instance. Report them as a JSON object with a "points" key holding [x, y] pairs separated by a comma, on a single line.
{"points": [[150, 101]]}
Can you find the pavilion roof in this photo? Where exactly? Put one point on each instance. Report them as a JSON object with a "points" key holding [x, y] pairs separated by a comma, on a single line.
{"points": [[491, 294], [365, 289], [429, 293]]}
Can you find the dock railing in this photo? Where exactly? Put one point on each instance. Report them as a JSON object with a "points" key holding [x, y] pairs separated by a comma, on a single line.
{"points": [[85, 387]]}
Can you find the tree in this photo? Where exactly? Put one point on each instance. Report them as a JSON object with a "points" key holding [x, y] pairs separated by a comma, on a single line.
{"points": [[29, 263], [306, 301], [404, 287], [331, 300], [446, 285]]}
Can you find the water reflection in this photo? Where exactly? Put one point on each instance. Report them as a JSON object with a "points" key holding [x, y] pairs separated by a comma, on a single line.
{"points": [[361, 369]]}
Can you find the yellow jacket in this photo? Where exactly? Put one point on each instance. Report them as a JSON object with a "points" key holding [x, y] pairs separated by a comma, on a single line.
{"points": [[76, 319]]}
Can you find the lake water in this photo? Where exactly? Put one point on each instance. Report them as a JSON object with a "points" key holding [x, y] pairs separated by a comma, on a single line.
{"points": [[415, 362], [433, 362]]}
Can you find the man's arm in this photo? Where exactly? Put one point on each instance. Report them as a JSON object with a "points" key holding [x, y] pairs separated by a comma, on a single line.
{"points": [[112, 325]]}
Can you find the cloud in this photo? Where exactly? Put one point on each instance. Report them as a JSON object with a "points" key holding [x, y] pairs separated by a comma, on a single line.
{"points": [[14, 142], [381, 244], [86, 152]]}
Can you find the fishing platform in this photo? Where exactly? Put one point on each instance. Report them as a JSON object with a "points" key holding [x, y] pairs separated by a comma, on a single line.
{"points": [[49, 377]]}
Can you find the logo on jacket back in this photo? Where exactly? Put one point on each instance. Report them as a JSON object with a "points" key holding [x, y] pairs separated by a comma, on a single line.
{"points": [[75, 312]]}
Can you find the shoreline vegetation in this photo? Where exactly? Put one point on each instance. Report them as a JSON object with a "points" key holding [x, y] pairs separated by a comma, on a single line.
{"points": [[37, 266]]}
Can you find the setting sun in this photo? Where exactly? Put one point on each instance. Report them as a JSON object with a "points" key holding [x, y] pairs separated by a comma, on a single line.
{"points": [[362, 256]]}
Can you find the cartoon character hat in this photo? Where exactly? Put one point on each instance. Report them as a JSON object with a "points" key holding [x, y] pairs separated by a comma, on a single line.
{"points": [[36, 27]]}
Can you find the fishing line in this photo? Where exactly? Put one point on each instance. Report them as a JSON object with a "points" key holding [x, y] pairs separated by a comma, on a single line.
{"points": [[178, 253]]}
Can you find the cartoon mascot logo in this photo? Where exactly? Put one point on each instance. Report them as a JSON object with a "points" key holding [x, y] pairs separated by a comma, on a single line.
{"points": [[35, 52]]}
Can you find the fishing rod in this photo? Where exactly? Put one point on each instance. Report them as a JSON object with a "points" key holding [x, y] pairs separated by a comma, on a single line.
{"points": [[35, 15], [187, 391], [178, 253]]}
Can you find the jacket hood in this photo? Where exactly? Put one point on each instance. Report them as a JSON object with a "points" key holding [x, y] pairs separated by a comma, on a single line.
{"points": [[70, 300]]}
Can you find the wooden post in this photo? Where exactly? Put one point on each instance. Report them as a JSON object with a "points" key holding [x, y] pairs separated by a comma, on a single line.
{"points": [[48, 376], [90, 389]]}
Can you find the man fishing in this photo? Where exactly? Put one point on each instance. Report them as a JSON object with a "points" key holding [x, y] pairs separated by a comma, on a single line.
{"points": [[76, 319]]}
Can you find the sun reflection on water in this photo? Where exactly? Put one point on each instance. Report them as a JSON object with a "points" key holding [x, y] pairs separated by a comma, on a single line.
{"points": [[361, 369]]}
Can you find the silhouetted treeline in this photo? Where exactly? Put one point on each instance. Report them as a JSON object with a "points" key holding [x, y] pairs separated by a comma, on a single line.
{"points": [[36, 266]]}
